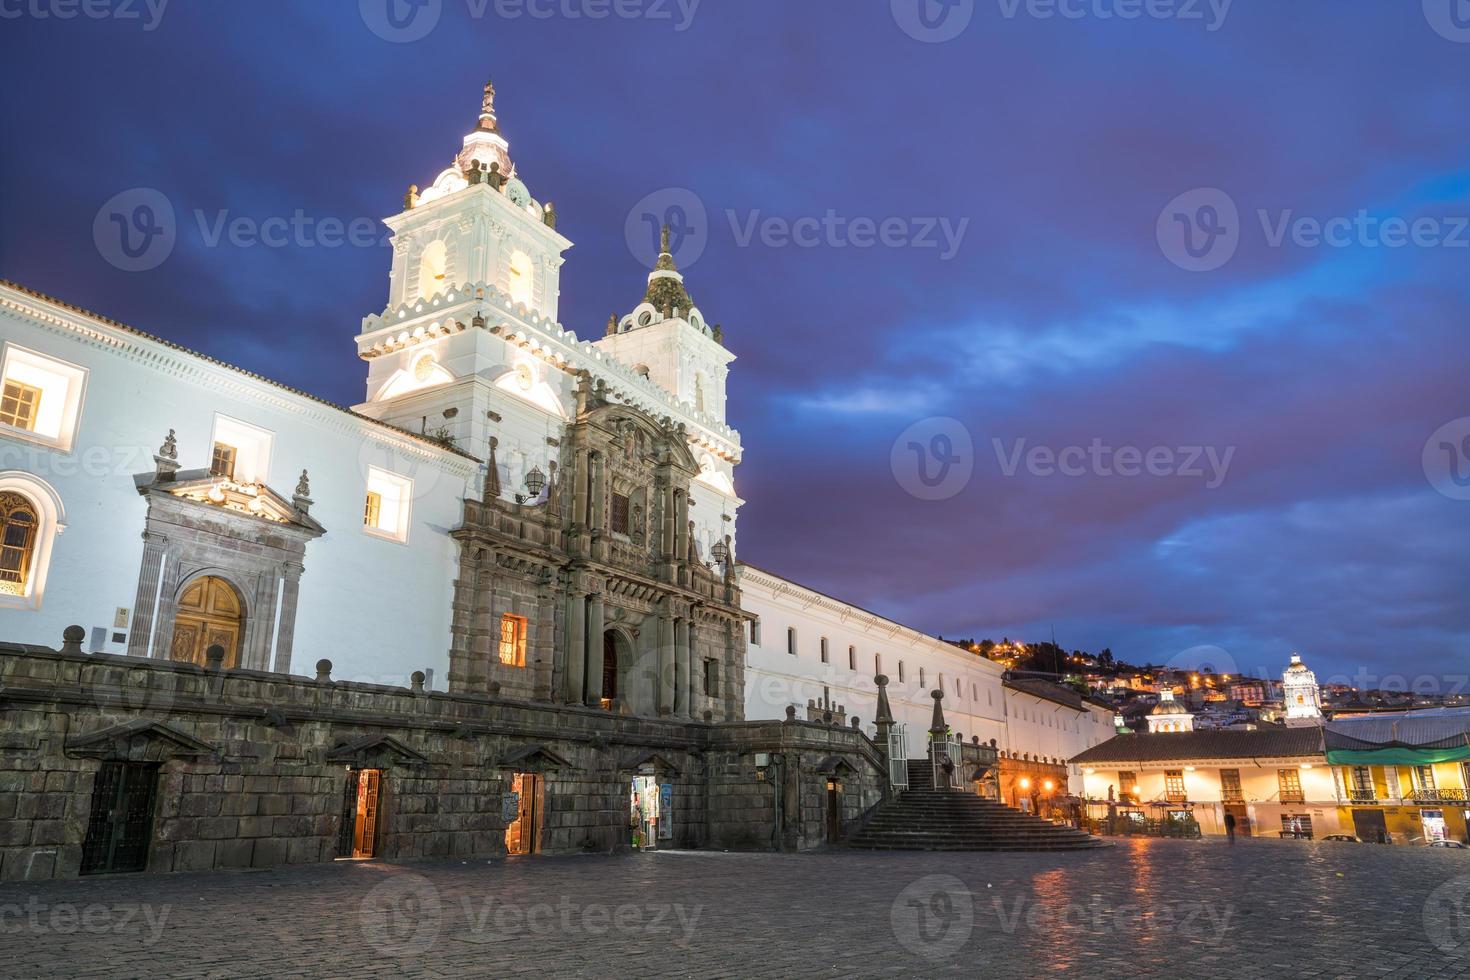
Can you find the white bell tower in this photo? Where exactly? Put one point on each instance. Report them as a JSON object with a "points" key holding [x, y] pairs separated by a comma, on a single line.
{"points": [[1301, 695], [667, 339], [476, 262]]}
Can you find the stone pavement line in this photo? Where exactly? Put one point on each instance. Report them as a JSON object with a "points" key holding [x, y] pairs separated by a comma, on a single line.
{"points": [[1144, 908]]}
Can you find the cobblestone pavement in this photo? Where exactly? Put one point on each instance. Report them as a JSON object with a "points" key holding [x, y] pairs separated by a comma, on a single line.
{"points": [[1142, 908]]}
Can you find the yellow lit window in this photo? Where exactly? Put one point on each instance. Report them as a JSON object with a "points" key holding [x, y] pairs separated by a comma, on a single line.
{"points": [[18, 405], [17, 542], [372, 512], [222, 461], [513, 640]]}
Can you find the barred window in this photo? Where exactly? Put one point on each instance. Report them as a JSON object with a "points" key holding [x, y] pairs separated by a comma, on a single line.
{"points": [[17, 542], [513, 640], [619, 517], [19, 404], [222, 461]]}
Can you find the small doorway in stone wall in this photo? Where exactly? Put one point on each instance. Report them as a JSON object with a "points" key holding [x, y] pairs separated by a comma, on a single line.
{"points": [[609, 669], [121, 824], [645, 818], [210, 612], [357, 834], [1242, 816], [523, 833], [834, 809]]}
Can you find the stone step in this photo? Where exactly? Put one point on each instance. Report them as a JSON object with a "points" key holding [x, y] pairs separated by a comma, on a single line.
{"points": [[923, 818]]}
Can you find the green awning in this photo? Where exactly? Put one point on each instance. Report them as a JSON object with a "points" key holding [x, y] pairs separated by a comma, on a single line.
{"points": [[1397, 756]]}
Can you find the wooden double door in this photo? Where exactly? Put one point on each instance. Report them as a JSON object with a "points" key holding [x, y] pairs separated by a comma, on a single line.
{"points": [[210, 612]]}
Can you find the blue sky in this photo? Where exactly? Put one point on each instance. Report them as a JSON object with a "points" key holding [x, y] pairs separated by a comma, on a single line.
{"points": [[1061, 153]]}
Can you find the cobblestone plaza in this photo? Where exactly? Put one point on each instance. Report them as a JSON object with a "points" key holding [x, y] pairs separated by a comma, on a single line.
{"points": [[1147, 908]]}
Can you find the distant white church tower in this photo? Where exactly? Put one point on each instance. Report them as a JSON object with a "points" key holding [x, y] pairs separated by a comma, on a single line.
{"points": [[1169, 715], [1301, 695]]}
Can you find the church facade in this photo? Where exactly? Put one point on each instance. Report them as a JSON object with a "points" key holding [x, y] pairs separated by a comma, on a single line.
{"points": [[495, 606]]}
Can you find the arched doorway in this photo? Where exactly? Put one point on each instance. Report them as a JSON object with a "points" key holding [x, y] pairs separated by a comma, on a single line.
{"points": [[609, 668], [210, 612]]}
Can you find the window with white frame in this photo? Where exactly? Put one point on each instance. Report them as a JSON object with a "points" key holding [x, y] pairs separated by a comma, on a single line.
{"points": [[240, 451], [824, 649], [386, 510], [30, 519], [791, 640], [852, 658], [40, 397], [755, 632]]}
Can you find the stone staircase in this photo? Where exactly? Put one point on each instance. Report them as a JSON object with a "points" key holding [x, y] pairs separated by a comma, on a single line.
{"points": [[923, 818]]}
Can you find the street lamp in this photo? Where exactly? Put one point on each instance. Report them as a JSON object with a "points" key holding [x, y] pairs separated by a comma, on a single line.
{"points": [[535, 483]]}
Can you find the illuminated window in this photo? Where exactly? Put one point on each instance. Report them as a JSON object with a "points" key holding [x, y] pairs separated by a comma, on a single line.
{"points": [[513, 640], [240, 451], [1127, 783], [18, 405], [41, 397], [1174, 785], [1290, 782], [373, 510], [17, 543], [433, 268], [388, 499], [522, 286], [619, 517], [1230, 790], [223, 461]]}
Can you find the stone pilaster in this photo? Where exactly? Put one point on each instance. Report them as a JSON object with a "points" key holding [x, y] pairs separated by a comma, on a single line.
{"points": [[576, 646], [286, 634], [595, 614], [154, 548]]}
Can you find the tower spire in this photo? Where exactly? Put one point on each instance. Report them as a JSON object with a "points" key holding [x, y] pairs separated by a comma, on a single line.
{"points": [[665, 285], [487, 110]]}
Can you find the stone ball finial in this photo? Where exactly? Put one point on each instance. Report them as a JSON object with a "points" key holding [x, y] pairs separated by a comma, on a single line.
{"points": [[856, 722], [71, 639], [791, 712], [416, 681], [324, 669], [214, 657], [495, 689], [881, 680], [937, 695]]}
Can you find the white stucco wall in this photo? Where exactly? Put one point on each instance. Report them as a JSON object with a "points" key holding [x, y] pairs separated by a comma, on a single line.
{"points": [[377, 609], [975, 702]]}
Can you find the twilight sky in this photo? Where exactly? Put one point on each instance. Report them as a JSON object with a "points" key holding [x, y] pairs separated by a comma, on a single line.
{"points": [[1058, 266]]}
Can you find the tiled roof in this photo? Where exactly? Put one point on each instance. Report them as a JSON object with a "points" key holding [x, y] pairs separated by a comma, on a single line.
{"points": [[1047, 691], [153, 338], [1272, 743]]}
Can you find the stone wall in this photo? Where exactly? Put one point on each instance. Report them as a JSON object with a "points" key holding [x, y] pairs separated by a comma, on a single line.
{"points": [[253, 766]]}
